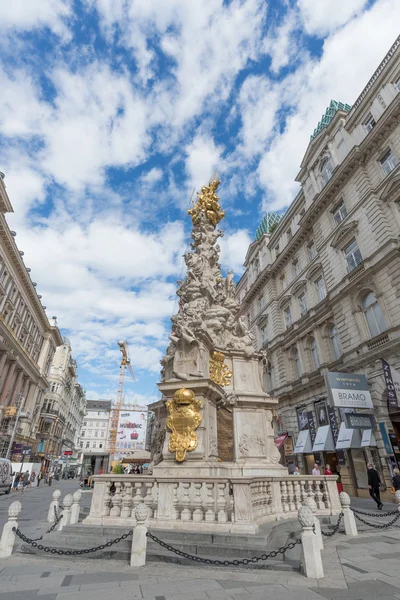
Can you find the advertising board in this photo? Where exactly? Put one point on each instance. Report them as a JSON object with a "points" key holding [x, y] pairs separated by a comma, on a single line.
{"points": [[348, 390], [131, 434]]}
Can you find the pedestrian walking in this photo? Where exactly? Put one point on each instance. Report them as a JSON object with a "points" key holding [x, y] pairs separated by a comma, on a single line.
{"points": [[316, 470], [16, 481], [32, 478], [39, 479], [25, 480], [396, 480], [374, 483]]}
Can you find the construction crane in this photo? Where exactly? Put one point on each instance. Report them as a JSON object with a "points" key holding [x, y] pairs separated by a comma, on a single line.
{"points": [[125, 364]]}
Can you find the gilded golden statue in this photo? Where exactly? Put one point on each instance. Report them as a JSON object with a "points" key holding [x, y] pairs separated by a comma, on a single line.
{"points": [[219, 371], [184, 418], [207, 202]]}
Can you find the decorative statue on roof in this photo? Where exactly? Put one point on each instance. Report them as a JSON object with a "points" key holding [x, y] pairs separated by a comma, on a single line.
{"points": [[207, 303]]}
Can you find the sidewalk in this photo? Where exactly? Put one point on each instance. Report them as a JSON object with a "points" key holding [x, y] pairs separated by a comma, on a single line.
{"points": [[364, 568]]}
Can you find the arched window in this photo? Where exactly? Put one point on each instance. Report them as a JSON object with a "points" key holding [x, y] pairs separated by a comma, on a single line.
{"points": [[373, 314], [335, 341], [326, 170], [314, 353], [297, 363]]}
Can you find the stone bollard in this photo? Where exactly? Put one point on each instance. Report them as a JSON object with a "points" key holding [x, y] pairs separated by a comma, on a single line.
{"points": [[397, 498], [8, 536], [349, 520], [139, 537], [312, 505], [54, 504], [66, 512], [75, 510], [311, 562]]}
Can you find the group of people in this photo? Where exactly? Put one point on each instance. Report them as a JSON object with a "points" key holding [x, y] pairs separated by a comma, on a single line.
{"points": [[23, 480], [374, 484], [133, 470], [293, 470]]}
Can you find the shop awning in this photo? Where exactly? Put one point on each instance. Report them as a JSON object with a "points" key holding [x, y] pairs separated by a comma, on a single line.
{"points": [[303, 444], [280, 439], [324, 440], [348, 438], [368, 438]]}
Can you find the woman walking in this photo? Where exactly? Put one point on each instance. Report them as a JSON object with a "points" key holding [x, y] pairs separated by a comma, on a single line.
{"points": [[16, 481]]}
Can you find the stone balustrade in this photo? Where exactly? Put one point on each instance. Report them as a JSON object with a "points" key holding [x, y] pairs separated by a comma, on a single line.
{"points": [[224, 504]]}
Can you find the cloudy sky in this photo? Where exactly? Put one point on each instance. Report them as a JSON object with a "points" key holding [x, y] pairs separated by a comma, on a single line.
{"points": [[113, 111]]}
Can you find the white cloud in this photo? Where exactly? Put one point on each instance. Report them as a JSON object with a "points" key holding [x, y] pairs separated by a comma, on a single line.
{"points": [[234, 247], [22, 15], [202, 160], [321, 18]]}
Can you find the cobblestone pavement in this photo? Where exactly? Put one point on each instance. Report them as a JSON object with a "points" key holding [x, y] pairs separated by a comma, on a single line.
{"points": [[363, 568]]}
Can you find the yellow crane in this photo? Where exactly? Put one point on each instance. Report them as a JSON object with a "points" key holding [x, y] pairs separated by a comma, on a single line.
{"points": [[125, 364]]}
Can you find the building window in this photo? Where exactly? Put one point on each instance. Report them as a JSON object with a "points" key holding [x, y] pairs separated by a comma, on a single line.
{"points": [[303, 304], [296, 268], [321, 288], [83, 433], [268, 377], [340, 213], [289, 234], [353, 255], [90, 432], [101, 433], [288, 317], [261, 302], [369, 123], [94, 445], [388, 162], [81, 444], [87, 444], [264, 331], [397, 84], [312, 251], [256, 266], [335, 341], [373, 314], [84, 423], [100, 445], [297, 364], [326, 170], [314, 353], [96, 433]]}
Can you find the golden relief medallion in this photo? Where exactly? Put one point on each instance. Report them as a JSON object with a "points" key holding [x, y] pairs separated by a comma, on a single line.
{"points": [[219, 372], [184, 418]]}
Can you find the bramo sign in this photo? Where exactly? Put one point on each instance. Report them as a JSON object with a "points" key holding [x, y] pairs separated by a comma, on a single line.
{"points": [[348, 390]]}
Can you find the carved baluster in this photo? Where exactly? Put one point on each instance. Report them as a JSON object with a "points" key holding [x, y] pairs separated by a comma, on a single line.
{"points": [[231, 507], [154, 504], [148, 500], [186, 514], [221, 503], [197, 503], [297, 494], [269, 494], [137, 499], [284, 496], [175, 502], [117, 499], [325, 495], [210, 503], [127, 500], [303, 490], [318, 496], [107, 501]]}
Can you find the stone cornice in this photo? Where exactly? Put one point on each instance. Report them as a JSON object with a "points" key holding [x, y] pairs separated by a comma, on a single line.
{"points": [[5, 204]]}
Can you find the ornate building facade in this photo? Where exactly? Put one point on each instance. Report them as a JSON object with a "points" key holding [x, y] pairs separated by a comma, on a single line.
{"points": [[93, 439], [27, 342], [64, 406], [321, 289]]}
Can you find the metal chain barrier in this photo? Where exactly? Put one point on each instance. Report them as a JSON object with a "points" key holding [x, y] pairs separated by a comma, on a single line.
{"points": [[56, 522], [377, 515], [34, 544], [224, 563], [335, 529], [374, 525]]}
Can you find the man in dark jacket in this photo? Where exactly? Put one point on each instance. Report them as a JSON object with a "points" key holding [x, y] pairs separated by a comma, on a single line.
{"points": [[373, 483]]}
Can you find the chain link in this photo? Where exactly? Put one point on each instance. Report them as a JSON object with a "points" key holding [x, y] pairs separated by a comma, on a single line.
{"points": [[34, 544], [374, 525], [377, 515], [56, 522], [224, 563], [335, 529]]}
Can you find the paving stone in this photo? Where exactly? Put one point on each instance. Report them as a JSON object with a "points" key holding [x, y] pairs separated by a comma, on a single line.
{"points": [[86, 578], [57, 590], [23, 595], [354, 568], [380, 587], [228, 584], [175, 587]]}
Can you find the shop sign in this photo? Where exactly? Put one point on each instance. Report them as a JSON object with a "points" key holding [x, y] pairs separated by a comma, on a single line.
{"points": [[26, 450], [348, 390], [348, 438], [385, 438], [359, 421], [311, 425], [323, 440], [368, 438], [288, 446], [392, 380], [333, 423], [303, 444]]}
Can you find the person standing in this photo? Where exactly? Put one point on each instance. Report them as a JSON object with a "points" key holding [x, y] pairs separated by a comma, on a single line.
{"points": [[32, 478], [16, 481], [50, 478], [396, 480], [291, 468], [39, 479], [296, 471], [25, 480], [328, 470], [373, 483], [316, 470]]}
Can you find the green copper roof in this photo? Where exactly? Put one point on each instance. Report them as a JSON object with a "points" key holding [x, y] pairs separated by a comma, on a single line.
{"points": [[269, 222], [328, 116]]}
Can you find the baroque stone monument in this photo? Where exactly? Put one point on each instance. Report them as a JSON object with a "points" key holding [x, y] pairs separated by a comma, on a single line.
{"points": [[214, 417]]}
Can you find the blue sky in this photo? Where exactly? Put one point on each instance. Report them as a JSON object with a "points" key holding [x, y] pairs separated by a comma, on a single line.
{"points": [[113, 111]]}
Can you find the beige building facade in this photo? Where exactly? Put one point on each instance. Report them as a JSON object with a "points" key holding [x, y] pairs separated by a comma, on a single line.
{"points": [[27, 342], [321, 289], [64, 407]]}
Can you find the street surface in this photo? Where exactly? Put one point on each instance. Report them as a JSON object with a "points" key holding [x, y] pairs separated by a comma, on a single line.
{"points": [[363, 568]]}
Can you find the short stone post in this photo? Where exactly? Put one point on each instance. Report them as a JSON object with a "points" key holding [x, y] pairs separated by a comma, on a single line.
{"points": [[66, 512], [397, 498], [311, 562], [139, 537], [54, 504], [349, 520], [75, 509], [312, 505], [8, 536]]}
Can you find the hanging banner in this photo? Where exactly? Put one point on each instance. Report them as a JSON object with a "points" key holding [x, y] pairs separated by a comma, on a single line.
{"points": [[340, 455], [347, 390], [392, 380], [311, 425], [385, 438]]}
